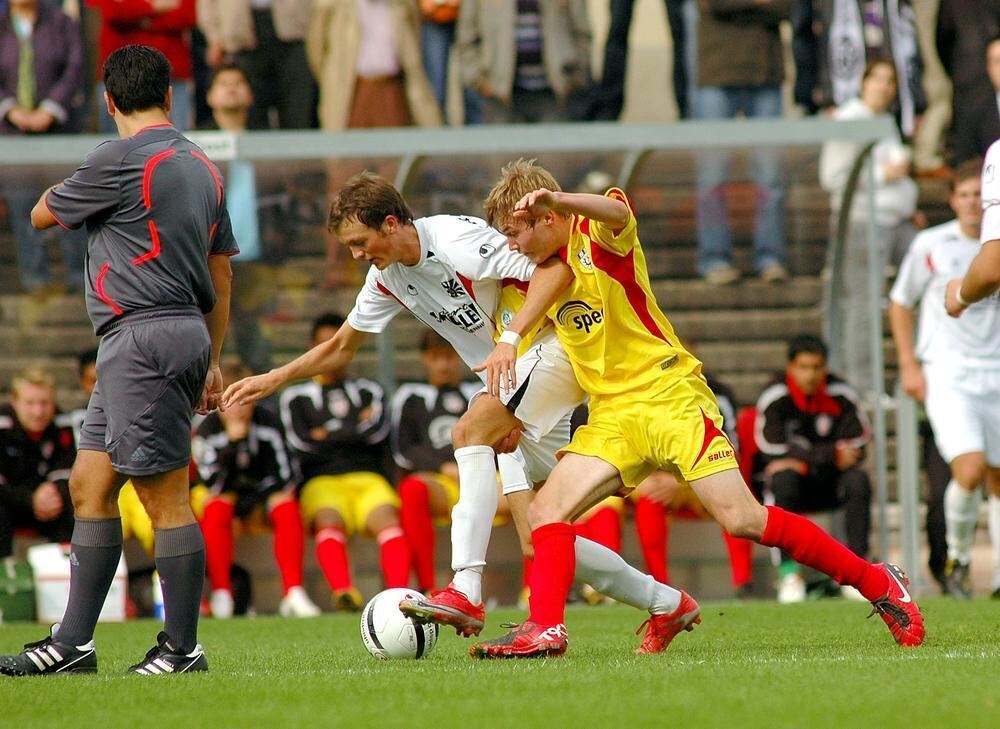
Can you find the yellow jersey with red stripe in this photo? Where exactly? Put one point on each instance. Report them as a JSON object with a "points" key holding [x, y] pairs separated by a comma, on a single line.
{"points": [[650, 406], [608, 319]]}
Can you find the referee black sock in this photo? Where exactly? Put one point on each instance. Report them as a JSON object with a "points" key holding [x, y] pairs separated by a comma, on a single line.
{"points": [[95, 552], [180, 561]]}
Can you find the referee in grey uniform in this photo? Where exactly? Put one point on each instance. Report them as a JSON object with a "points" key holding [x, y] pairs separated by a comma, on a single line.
{"points": [[158, 283]]}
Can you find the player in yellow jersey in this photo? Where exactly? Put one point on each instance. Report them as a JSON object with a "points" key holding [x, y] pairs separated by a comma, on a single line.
{"points": [[650, 408]]}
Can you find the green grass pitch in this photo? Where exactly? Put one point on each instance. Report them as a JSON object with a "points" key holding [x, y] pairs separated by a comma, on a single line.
{"points": [[755, 664]]}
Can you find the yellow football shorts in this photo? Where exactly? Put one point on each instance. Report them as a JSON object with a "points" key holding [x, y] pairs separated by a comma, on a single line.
{"points": [[353, 495], [676, 429]]}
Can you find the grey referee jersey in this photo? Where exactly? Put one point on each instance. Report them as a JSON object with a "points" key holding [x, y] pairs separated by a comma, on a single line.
{"points": [[155, 209]]}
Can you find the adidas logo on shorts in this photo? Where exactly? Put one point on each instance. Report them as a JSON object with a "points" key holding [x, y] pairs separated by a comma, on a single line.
{"points": [[139, 455]]}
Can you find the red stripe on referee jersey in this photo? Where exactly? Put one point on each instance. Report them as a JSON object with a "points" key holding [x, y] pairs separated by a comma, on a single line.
{"points": [[622, 270], [211, 168], [154, 236], [211, 233], [147, 175], [99, 286]]}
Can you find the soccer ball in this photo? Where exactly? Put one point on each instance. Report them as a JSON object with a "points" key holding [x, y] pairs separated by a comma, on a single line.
{"points": [[387, 633]]}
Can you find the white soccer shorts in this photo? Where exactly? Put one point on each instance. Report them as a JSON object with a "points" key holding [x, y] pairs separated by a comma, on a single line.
{"points": [[962, 404], [546, 395]]}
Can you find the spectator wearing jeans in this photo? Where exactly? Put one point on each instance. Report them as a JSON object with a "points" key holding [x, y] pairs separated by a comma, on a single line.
{"points": [[41, 89], [36, 455], [682, 18], [437, 34], [811, 432], [525, 57], [740, 71]]}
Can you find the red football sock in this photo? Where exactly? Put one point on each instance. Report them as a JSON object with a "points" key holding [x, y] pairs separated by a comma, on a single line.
{"points": [[331, 553], [740, 558], [527, 564], [395, 555], [289, 543], [605, 528], [813, 547], [415, 518], [217, 528], [652, 528], [552, 573]]}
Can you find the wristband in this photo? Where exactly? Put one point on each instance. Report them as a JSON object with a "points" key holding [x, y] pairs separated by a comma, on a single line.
{"points": [[959, 299], [512, 338]]}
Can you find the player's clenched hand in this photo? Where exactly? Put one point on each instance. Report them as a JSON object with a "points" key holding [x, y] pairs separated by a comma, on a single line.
{"points": [[211, 397], [250, 389], [535, 204], [499, 368], [951, 298]]}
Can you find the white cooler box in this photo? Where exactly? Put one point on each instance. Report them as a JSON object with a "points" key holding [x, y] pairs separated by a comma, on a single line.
{"points": [[50, 563]]}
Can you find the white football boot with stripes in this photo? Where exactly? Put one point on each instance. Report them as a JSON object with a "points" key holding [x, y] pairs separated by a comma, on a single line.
{"points": [[48, 657], [167, 658]]}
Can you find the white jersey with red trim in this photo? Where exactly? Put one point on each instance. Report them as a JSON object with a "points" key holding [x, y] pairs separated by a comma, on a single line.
{"points": [[454, 288], [936, 256], [991, 194]]}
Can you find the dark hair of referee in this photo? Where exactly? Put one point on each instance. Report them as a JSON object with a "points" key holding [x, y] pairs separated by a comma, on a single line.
{"points": [[137, 78]]}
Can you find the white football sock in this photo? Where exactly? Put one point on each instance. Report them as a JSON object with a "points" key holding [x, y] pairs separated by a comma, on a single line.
{"points": [[472, 518], [960, 510], [994, 522], [609, 574]]}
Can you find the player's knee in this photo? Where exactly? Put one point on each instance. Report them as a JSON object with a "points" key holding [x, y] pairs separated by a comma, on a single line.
{"points": [[969, 472], [742, 522], [327, 519]]}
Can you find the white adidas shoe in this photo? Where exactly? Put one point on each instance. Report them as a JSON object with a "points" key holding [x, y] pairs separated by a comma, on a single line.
{"points": [[296, 604]]}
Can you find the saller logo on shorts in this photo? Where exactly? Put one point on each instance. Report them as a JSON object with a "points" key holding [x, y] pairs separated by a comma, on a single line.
{"points": [[581, 314]]}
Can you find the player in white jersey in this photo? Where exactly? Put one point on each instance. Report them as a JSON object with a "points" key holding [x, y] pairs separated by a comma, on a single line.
{"points": [[983, 276], [449, 272], [955, 369]]}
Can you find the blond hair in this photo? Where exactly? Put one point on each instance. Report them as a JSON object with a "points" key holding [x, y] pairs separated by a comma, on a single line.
{"points": [[38, 376], [517, 179]]}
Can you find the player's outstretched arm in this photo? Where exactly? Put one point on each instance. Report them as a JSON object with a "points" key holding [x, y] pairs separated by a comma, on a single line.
{"points": [[607, 210], [981, 280], [336, 352], [548, 281]]}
